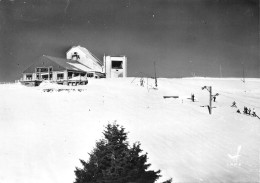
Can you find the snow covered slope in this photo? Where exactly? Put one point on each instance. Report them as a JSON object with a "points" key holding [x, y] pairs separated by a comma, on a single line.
{"points": [[44, 134]]}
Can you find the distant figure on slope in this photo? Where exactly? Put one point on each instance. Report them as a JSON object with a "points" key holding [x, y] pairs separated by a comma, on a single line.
{"points": [[253, 112], [214, 98], [141, 82], [234, 104], [192, 97], [245, 110], [238, 111], [249, 111]]}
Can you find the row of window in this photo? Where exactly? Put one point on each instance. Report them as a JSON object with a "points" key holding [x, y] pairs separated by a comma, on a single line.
{"points": [[44, 69], [60, 76]]}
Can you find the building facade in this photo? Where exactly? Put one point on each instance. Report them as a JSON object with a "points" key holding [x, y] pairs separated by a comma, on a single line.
{"points": [[61, 71], [115, 66], [85, 57], [79, 65]]}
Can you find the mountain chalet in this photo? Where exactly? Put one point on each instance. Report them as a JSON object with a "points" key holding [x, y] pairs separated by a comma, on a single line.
{"points": [[79, 65]]}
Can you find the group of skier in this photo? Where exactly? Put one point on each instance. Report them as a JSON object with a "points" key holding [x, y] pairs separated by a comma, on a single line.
{"points": [[246, 110]]}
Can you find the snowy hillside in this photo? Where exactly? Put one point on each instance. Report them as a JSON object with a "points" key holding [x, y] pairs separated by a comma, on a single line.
{"points": [[44, 134]]}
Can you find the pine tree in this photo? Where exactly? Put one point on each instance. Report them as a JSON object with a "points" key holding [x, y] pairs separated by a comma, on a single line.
{"points": [[114, 161]]}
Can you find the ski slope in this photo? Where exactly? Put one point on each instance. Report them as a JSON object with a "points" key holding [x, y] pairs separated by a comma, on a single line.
{"points": [[44, 134]]}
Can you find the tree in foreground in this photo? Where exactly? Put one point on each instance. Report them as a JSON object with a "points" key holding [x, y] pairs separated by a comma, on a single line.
{"points": [[114, 161]]}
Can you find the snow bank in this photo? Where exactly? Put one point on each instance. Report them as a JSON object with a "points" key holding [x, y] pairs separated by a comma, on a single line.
{"points": [[78, 78], [43, 135]]}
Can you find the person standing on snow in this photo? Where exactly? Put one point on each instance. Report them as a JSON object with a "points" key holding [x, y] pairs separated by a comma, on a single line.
{"points": [[245, 110], [192, 97], [215, 97], [249, 111], [142, 82], [253, 112], [234, 104]]}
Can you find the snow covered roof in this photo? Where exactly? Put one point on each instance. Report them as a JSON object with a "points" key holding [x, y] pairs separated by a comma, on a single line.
{"points": [[57, 64], [68, 64], [80, 66]]}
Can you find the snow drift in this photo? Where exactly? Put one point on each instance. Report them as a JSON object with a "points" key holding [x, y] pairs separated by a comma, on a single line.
{"points": [[44, 134]]}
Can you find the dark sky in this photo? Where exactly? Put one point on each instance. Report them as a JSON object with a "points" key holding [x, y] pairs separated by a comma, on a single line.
{"points": [[181, 36]]}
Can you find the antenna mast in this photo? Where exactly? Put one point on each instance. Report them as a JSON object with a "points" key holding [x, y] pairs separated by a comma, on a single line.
{"points": [[243, 73], [220, 70], [155, 77]]}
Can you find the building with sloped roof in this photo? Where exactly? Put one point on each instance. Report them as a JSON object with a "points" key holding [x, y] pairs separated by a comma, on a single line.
{"points": [[85, 57], [79, 65], [55, 69]]}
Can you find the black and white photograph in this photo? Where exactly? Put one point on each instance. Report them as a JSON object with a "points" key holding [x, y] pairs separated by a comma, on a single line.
{"points": [[129, 91]]}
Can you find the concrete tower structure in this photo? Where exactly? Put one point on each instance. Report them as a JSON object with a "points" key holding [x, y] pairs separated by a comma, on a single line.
{"points": [[115, 66]]}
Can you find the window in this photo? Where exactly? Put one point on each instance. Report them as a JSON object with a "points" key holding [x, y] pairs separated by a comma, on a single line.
{"points": [[60, 76], [44, 73], [28, 76], [44, 69], [117, 64], [45, 77], [76, 55], [90, 75]]}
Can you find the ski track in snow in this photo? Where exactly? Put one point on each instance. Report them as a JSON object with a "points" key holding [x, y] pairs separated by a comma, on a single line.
{"points": [[44, 134]]}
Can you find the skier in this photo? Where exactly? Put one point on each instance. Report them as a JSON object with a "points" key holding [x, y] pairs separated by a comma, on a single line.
{"points": [[253, 112], [245, 110], [249, 111], [234, 104], [214, 98], [192, 97], [142, 82], [238, 111]]}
